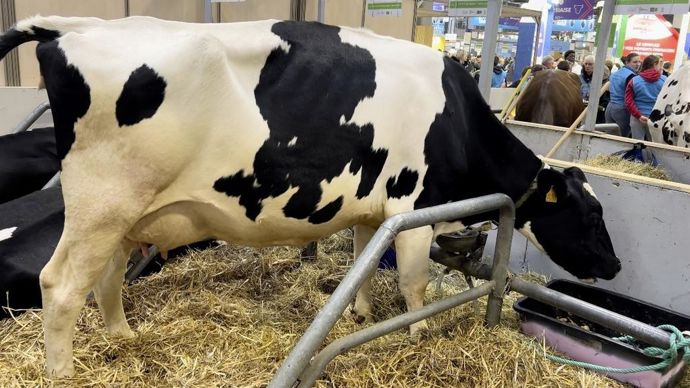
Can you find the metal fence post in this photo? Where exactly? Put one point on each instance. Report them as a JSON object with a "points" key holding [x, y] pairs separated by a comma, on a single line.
{"points": [[499, 272]]}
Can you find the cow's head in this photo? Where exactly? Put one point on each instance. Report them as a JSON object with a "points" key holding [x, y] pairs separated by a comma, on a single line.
{"points": [[564, 218]]}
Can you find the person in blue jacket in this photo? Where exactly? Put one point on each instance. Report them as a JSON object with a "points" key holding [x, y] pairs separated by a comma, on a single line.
{"points": [[640, 96], [498, 77], [616, 111]]}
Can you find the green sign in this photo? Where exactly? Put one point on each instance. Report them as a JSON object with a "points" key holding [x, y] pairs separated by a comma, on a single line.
{"points": [[467, 8], [384, 7]]}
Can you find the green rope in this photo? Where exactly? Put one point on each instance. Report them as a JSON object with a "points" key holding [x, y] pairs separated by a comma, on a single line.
{"points": [[669, 356]]}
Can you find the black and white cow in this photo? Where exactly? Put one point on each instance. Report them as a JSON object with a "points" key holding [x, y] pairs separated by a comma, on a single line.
{"points": [[267, 133], [27, 162], [30, 228], [669, 121]]}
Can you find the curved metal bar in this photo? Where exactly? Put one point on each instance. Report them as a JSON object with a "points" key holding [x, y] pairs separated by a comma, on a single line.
{"points": [[313, 337], [32, 117], [346, 343]]}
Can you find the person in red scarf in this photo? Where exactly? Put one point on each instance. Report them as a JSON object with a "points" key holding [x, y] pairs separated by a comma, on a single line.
{"points": [[640, 96]]}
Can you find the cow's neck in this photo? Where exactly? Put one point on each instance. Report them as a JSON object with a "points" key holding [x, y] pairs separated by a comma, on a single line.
{"points": [[502, 164], [469, 152]]}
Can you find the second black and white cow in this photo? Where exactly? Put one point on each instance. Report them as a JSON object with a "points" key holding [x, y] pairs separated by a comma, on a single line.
{"points": [[27, 162], [272, 132], [669, 121]]}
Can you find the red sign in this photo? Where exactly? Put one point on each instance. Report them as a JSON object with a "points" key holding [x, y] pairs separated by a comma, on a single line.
{"points": [[650, 34]]}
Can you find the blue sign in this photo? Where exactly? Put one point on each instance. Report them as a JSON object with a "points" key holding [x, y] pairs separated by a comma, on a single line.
{"points": [[503, 23], [440, 7], [573, 9], [583, 25]]}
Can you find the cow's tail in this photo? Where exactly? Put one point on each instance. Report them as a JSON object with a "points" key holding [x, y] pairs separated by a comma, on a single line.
{"points": [[26, 31]]}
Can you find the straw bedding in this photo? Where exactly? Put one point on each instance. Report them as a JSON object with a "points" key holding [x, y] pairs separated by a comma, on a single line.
{"points": [[616, 163], [228, 316]]}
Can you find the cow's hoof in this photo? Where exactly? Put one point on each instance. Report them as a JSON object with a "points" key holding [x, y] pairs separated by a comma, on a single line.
{"points": [[419, 331], [360, 319], [60, 373], [124, 334], [122, 331]]}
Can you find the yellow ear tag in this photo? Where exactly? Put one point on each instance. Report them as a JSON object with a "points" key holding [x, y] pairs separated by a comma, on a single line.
{"points": [[551, 196]]}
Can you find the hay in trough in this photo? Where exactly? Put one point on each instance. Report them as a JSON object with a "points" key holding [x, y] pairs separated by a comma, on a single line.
{"points": [[616, 163], [228, 316]]}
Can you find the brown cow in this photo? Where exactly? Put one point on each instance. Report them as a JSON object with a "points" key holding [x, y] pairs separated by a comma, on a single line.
{"points": [[552, 97]]}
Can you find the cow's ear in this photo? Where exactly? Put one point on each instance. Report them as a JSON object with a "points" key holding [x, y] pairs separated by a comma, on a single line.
{"points": [[551, 186], [576, 173]]}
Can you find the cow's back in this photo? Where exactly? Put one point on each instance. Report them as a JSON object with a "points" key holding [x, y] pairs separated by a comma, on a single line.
{"points": [[552, 97]]}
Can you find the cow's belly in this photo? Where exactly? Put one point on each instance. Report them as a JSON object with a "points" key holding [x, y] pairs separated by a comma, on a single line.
{"points": [[185, 222]]}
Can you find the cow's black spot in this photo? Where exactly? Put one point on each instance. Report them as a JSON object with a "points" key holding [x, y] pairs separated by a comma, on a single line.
{"points": [[665, 135], [664, 96], [68, 93], [674, 82], [680, 123], [656, 125], [141, 96], [303, 94], [327, 212], [237, 184], [656, 115], [404, 185]]}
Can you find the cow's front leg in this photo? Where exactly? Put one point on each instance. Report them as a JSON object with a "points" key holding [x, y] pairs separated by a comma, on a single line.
{"points": [[412, 254], [65, 281], [108, 293], [361, 312]]}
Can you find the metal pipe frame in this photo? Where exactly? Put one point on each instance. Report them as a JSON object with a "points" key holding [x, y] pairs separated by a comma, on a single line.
{"points": [[321, 12], [32, 117], [300, 356], [605, 126], [598, 75], [621, 323], [493, 11], [341, 345]]}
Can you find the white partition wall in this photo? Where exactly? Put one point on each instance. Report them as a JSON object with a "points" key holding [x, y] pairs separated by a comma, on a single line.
{"points": [[648, 228]]}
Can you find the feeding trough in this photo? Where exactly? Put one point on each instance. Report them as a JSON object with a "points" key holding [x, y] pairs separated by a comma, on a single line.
{"points": [[583, 340]]}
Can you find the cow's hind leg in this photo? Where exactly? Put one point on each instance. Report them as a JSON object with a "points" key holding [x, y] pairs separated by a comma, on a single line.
{"points": [[412, 254], [108, 293], [361, 312], [77, 264]]}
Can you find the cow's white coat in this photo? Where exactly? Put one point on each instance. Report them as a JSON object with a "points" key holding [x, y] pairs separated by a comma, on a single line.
{"points": [[6, 234]]}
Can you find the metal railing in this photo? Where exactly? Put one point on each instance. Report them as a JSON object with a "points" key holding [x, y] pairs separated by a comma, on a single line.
{"points": [[32, 117], [297, 369]]}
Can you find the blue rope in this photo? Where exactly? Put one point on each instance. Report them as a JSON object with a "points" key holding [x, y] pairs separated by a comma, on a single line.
{"points": [[676, 341]]}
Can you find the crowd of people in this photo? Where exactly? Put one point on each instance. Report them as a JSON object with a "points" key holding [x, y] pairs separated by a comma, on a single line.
{"points": [[634, 83]]}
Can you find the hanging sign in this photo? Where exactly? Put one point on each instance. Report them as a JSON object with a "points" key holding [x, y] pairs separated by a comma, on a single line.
{"points": [[649, 34], [384, 7], [633, 7], [573, 9], [467, 8]]}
